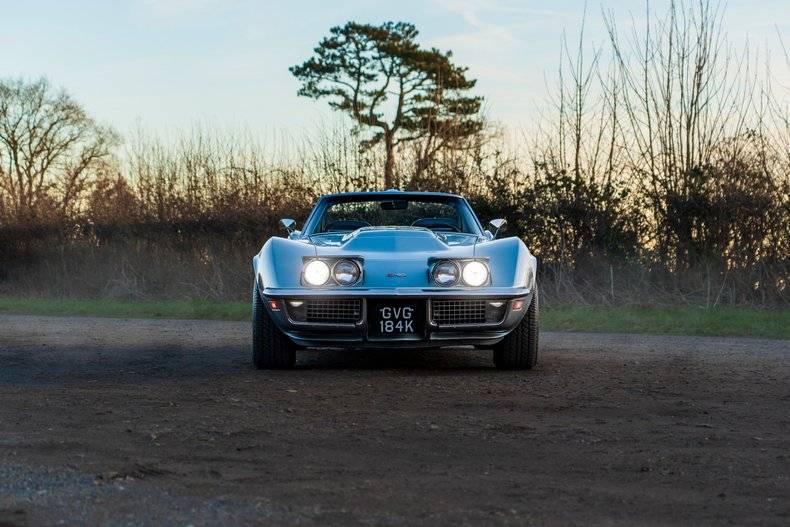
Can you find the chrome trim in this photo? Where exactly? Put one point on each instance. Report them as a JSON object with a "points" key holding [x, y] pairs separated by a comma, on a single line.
{"points": [[488, 273], [439, 262], [323, 324], [331, 262], [343, 325], [433, 324], [305, 263], [494, 293], [332, 272], [459, 264]]}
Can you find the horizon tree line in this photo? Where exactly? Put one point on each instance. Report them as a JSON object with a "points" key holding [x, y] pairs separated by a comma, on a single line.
{"points": [[663, 147]]}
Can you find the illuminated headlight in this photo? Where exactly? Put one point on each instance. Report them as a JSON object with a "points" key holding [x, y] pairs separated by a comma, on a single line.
{"points": [[316, 272], [475, 274], [446, 273], [346, 272]]}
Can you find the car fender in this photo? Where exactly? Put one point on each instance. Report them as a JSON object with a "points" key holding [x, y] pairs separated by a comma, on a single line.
{"points": [[279, 262], [510, 262]]}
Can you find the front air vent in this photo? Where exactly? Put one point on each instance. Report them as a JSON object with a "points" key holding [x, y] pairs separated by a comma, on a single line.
{"points": [[340, 311], [455, 312]]}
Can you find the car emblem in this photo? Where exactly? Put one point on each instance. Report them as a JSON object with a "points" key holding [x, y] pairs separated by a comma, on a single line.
{"points": [[396, 275]]}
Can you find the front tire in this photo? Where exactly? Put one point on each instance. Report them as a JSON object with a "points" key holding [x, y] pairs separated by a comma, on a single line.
{"points": [[519, 349], [271, 348]]}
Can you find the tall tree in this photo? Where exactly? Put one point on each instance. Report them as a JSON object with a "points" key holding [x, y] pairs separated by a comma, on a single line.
{"points": [[386, 82], [48, 148]]}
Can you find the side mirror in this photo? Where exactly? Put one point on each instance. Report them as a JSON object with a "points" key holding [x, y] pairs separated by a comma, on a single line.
{"points": [[497, 225], [289, 224]]}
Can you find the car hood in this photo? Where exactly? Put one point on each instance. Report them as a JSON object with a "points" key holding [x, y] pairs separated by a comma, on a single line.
{"points": [[385, 239], [392, 257]]}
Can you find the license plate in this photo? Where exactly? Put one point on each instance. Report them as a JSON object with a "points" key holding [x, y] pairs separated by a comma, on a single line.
{"points": [[396, 319]]}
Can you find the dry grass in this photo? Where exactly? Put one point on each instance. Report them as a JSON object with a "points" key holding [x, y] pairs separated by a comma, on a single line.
{"points": [[724, 322]]}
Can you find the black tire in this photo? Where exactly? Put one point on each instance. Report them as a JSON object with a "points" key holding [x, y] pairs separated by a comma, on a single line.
{"points": [[271, 348], [519, 349]]}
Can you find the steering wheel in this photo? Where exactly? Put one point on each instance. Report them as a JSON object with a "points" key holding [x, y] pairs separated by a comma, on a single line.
{"points": [[437, 224]]}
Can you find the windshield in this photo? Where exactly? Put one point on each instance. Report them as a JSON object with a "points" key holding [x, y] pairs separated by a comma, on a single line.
{"points": [[439, 214]]}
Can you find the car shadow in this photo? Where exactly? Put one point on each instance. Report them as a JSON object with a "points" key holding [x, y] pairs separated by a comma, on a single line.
{"points": [[64, 364], [449, 359]]}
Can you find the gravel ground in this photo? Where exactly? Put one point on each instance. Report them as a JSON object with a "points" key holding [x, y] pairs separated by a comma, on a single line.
{"points": [[135, 422]]}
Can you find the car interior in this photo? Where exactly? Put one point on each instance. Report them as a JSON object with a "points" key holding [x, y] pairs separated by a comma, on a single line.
{"points": [[350, 216]]}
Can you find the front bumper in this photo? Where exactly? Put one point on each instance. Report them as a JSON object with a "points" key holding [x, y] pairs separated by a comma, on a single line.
{"points": [[358, 334]]}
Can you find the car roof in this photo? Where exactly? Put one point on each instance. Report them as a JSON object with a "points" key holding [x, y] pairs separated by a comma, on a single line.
{"points": [[391, 193]]}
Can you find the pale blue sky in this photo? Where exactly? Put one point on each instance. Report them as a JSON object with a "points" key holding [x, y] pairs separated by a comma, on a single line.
{"points": [[166, 64]]}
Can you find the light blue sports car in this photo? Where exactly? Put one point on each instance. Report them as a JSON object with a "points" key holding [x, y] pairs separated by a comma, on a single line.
{"points": [[394, 269]]}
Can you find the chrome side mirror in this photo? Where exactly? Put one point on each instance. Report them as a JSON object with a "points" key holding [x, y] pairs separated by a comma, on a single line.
{"points": [[497, 225], [289, 224]]}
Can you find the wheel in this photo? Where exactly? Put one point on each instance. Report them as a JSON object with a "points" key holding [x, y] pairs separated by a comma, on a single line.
{"points": [[271, 348], [519, 349]]}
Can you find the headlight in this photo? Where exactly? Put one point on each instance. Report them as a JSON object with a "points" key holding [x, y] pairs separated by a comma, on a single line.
{"points": [[475, 274], [346, 272], [316, 272], [446, 273]]}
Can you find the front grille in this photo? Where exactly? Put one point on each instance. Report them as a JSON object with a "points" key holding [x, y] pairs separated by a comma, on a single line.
{"points": [[339, 311], [452, 312]]}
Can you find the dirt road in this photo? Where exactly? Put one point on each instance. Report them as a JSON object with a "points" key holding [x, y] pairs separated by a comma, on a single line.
{"points": [[164, 422]]}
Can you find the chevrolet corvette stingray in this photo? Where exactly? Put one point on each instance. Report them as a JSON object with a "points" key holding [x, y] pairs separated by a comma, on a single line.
{"points": [[394, 269]]}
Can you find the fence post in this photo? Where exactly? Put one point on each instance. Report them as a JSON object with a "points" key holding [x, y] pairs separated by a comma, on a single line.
{"points": [[611, 280]]}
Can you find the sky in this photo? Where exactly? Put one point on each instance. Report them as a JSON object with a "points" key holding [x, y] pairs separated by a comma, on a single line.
{"points": [[166, 65]]}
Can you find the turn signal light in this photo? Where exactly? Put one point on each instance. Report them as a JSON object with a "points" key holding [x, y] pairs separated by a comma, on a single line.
{"points": [[518, 304]]}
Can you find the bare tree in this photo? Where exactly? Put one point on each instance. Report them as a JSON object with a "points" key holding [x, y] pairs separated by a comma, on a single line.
{"points": [[684, 92], [48, 148]]}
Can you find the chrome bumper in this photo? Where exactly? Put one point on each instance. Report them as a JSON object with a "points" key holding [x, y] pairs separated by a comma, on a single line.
{"points": [[400, 292], [357, 334]]}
